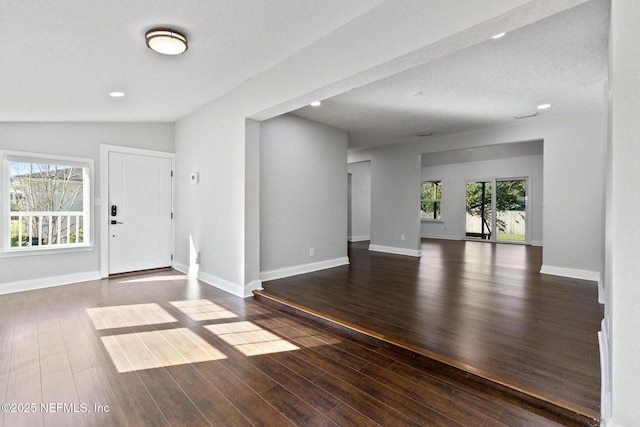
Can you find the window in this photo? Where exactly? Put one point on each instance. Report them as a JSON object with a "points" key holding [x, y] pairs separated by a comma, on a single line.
{"points": [[47, 202], [430, 200]]}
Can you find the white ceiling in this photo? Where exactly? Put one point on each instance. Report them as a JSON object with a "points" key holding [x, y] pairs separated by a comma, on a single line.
{"points": [[60, 59], [487, 152], [561, 60]]}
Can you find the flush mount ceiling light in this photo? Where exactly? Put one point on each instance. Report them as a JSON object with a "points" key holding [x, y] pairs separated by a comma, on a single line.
{"points": [[166, 42], [116, 94], [497, 36]]}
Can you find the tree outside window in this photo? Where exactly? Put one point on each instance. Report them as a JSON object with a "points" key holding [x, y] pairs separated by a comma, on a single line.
{"points": [[430, 200], [48, 202]]}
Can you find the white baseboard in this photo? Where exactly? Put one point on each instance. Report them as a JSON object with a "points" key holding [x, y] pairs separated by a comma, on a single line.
{"points": [[358, 238], [396, 251], [182, 268], [219, 283], [605, 368], [48, 282], [225, 285], [302, 269], [573, 273], [254, 285], [536, 243], [440, 236]]}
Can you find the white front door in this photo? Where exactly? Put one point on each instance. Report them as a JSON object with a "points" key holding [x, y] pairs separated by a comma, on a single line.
{"points": [[139, 212]]}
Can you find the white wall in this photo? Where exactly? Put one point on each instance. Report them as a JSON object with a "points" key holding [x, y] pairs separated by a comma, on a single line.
{"points": [[574, 152], [252, 205], [79, 140], [453, 178], [623, 234], [212, 216], [395, 200], [303, 193], [360, 209]]}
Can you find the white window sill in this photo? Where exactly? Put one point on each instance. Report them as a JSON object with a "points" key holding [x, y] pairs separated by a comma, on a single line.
{"points": [[45, 251], [432, 220]]}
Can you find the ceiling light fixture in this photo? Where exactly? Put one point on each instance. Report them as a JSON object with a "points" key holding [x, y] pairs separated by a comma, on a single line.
{"points": [[116, 94], [315, 103], [543, 106], [497, 36], [166, 42]]}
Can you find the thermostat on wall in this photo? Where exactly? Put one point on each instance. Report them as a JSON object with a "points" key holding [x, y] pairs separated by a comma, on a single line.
{"points": [[195, 177]]}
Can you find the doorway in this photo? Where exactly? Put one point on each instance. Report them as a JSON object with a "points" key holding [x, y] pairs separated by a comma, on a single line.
{"points": [[496, 210]]}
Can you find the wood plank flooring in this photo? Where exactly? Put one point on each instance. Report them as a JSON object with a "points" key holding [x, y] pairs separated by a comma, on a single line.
{"points": [[479, 307], [163, 349]]}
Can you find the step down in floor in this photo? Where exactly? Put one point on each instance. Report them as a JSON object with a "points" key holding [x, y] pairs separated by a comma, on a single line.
{"points": [[547, 408]]}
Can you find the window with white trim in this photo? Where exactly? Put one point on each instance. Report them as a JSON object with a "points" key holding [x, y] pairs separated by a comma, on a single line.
{"points": [[431, 200], [47, 202]]}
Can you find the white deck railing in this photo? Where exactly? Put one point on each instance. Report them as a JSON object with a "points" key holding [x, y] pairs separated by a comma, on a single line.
{"points": [[49, 228]]}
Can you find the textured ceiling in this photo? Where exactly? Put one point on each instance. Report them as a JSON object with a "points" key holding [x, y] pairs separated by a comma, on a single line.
{"points": [[561, 60], [60, 59]]}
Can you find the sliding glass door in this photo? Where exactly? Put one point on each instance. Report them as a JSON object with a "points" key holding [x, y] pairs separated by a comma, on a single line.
{"points": [[511, 210], [479, 218], [496, 210]]}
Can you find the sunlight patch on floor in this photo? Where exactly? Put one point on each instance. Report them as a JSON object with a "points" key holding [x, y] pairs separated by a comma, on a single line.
{"points": [[203, 309], [250, 339], [129, 315], [156, 349]]}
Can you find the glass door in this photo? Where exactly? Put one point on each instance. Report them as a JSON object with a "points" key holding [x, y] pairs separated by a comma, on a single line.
{"points": [[479, 217], [496, 210], [511, 210]]}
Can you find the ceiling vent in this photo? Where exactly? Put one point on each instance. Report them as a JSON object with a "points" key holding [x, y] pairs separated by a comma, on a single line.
{"points": [[527, 116]]}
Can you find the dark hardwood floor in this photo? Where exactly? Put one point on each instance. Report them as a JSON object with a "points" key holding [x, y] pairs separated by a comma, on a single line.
{"points": [[161, 349], [480, 308]]}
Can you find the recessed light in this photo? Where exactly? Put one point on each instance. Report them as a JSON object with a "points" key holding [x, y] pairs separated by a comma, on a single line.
{"points": [[315, 103], [497, 36], [116, 94], [166, 42], [543, 106]]}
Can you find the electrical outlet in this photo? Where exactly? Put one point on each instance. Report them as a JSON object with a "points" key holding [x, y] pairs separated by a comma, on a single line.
{"points": [[312, 252], [198, 259], [402, 237]]}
